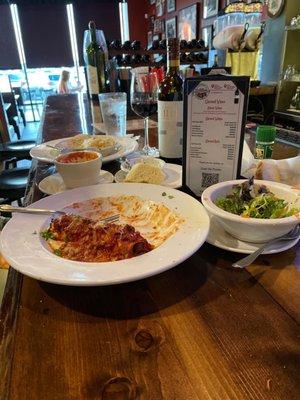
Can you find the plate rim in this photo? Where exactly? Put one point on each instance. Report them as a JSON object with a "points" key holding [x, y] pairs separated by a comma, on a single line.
{"points": [[105, 159], [213, 221], [57, 173], [200, 229]]}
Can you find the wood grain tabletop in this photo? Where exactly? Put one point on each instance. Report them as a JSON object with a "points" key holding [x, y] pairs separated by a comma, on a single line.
{"points": [[200, 331]]}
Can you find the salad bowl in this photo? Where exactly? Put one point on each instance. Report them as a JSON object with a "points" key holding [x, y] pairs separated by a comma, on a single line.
{"points": [[255, 230]]}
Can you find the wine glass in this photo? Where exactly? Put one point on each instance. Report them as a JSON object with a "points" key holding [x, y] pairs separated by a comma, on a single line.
{"points": [[143, 97]]}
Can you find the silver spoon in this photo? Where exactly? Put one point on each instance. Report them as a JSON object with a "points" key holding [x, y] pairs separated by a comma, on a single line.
{"points": [[8, 208], [246, 261]]}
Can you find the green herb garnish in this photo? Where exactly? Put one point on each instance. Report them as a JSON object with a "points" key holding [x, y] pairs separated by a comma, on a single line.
{"points": [[57, 252], [164, 194], [47, 234]]}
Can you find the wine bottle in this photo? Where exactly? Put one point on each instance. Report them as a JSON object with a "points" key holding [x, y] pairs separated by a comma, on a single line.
{"points": [[200, 57], [192, 44], [183, 57], [200, 44], [183, 44], [163, 44], [145, 58], [126, 45], [127, 59], [136, 45], [136, 59], [190, 57], [118, 58], [95, 64], [115, 44], [170, 106]]}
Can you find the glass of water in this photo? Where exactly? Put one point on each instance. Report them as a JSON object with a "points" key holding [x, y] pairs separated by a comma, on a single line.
{"points": [[113, 109]]}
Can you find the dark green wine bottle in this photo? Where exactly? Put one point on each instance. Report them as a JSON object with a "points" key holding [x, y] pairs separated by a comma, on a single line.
{"points": [[96, 67]]}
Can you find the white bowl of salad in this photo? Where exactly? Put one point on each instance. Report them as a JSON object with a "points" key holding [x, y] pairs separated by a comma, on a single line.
{"points": [[253, 211]]}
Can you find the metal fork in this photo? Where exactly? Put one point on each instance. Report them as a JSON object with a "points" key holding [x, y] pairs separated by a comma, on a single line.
{"points": [[9, 209], [246, 261]]}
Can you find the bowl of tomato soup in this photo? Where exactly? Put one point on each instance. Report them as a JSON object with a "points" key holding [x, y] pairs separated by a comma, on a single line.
{"points": [[79, 168]]}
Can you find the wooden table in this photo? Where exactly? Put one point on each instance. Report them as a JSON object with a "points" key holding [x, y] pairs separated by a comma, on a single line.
{"points": [[200, 331]]}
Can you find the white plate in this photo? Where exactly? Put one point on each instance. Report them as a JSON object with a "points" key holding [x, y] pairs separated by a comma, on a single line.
{"points": [[46, 154], [220, 238], [54, 184], [27, 254], [173, 174]]}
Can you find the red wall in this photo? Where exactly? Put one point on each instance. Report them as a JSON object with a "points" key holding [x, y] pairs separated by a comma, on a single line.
{"points": [[139, 25]]}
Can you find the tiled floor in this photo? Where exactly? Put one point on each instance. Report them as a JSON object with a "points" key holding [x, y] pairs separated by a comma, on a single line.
{"points": [[27, 133]]}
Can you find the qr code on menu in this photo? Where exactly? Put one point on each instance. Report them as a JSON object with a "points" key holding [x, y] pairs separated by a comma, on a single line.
{"points": [[209, 179]]}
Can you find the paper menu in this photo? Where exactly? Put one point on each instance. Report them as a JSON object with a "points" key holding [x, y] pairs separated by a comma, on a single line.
{"points": [[214, 119]]}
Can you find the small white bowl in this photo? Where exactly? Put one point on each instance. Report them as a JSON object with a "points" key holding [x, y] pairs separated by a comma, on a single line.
{"points": [[252, 229], [76, 169]]}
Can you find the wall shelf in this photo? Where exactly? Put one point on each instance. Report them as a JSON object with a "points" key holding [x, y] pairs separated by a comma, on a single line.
{"points": [[115, 52]]}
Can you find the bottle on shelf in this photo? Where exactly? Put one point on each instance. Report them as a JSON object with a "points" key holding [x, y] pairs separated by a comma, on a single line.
{"points": [[127, 59], [126, 45], [145, 58], [170, 106], [200, 44], [201, 58], [95, 60], [163, 44], [115, 44], [118, 59], [183, 57], [136, 45], [192, 44], [190, 57], [183, 44], [136, 59]]}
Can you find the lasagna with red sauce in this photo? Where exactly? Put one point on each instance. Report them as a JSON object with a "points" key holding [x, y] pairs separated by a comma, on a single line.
{"points": [[83, 239]]}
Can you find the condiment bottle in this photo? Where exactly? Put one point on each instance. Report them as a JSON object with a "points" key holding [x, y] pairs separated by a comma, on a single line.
{"points": [[265, 137]]}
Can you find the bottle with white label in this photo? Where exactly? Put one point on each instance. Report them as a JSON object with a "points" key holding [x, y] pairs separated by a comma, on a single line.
{"points": [[170, 106], [95, 61]]}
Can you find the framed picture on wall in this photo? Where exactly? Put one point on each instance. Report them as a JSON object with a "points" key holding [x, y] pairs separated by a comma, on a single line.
{"points": [[207, 36], [159, 26], [188, 23], [159, 7], [171, 28], [171, 5], [210, 8]]}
